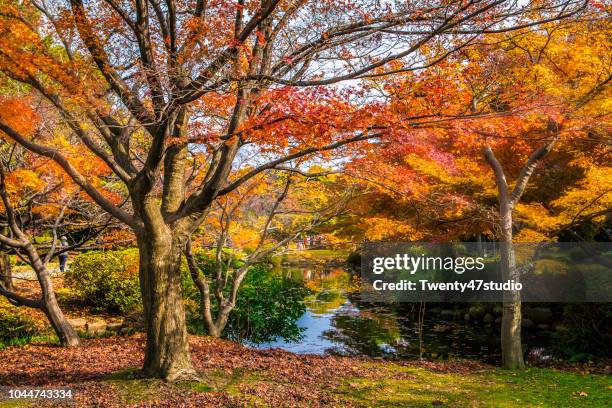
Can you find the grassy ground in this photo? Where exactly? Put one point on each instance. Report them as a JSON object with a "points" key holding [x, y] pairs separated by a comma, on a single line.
{"points": [[104, 372], [534, 387]]}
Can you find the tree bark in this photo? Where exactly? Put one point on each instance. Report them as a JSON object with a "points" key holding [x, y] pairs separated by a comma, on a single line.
{"points": [[5, 264], [512, 350], [6, 271], [167, 349], [64, 330], [512, 353], [214, 325], [204, 289], [68, 337]]}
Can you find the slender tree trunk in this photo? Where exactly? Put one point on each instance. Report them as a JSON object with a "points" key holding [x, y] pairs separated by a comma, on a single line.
{"points": [[167, 349], [68, 337], [48, 303], [201, 283], [512, 354], [6, 271], [512, 351], [5, 264]]}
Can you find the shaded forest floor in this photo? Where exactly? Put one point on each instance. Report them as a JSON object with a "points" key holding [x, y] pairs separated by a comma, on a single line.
{"points": [[104, 373]]}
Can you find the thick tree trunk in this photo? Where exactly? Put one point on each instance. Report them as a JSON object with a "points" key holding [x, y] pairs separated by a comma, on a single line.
{"points": [[167, 349], [512, 351]]}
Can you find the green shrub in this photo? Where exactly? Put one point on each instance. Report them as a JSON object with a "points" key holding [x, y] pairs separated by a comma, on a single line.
{"points": [[588, 331], [15, 329], [268, 306], [106, 280]]}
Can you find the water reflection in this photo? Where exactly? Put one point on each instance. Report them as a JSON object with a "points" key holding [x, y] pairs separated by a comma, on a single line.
{"points": [[338, 322]]}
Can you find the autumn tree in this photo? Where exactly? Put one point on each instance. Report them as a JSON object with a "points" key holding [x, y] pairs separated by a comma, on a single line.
{"points": [[575, 91], [514, 99], [39, 205], [142, 85], [247, 226]]}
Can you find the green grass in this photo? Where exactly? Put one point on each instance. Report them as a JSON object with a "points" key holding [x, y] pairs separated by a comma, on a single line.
{"points": [[548, 387], [16, 403], [497, 388], [132, 389]]}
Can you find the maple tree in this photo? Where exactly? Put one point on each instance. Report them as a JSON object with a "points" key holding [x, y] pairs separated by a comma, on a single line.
{"points": [[515, 98], [568, 121], [38, 206], [143, 85], [245, 227]]}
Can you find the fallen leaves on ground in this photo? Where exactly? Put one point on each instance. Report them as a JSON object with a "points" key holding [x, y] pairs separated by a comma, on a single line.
{"points": [[238, 375]]}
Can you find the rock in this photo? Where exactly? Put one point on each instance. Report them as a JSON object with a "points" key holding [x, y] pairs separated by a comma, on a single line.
{"points": [[135, 321], [488, 318], [542, 326], [527, 323], [477, 311], [457, 314], [498, 310], [114, 326], [96, 327], [540, 315], [78, 324], [466, 317], [441, 328], [447, 312], [498, 320], [436, 310], [560, 328]]}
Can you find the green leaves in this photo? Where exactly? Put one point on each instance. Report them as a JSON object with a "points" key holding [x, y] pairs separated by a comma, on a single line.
{"points": [[107, 280]]}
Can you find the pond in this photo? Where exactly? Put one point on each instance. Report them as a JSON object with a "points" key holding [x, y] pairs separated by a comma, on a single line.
{"points": [[338, 322]]}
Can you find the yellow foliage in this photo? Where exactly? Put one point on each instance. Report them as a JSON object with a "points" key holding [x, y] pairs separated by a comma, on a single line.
{"points": [[529, 235], [592, 194], [377, 229]]}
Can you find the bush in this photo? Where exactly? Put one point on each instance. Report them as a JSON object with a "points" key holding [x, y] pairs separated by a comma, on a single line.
{"points": [[15, 329], [268, 306], [106, 280], [588, 331]]}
